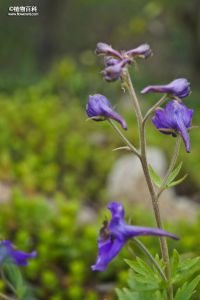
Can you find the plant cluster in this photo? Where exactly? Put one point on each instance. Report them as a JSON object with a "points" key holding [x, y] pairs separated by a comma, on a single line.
{"points": [[158, 280]]}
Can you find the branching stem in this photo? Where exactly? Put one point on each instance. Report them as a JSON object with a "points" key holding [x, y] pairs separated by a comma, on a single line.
{"points": [[126, 141], [144, 162]]}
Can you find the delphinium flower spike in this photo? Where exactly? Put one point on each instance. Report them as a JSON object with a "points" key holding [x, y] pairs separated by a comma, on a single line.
{"points": [[99, 109], [175, 118], [8, 253], [115, 233]]}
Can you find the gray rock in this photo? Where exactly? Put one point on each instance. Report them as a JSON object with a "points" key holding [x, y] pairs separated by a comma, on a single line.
{"points": [[126, 182]]}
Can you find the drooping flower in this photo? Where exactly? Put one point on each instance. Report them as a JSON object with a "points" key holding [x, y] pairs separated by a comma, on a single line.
{"points": [[99, 109], [114, 234], [179, 87], [8, 253], [175, 118], [116, 61]]}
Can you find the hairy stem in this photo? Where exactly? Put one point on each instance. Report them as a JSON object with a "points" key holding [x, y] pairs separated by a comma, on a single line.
{"points": [[126, 141], [144, 162], [151, 258], [171, 166]]}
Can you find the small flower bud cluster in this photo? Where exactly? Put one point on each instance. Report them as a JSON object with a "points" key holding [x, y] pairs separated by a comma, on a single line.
{"points": [[116, 61]]}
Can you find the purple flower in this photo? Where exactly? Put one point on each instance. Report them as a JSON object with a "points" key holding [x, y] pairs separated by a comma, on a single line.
{"points": [[114, 234], [174, 119], [142, 51], [105, 49], [99, 109], [10, 254], [178, 87], [110, 61], [115, 61], [114, 70]]}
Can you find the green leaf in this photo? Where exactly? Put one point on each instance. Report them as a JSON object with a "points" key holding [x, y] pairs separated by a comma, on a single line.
{"points": [[175, 263], [155, 177], [174, 173], [126, 294], [14, 277], [140, 267], [186, 269], [187, 290], [176, 182], [143, 277]]}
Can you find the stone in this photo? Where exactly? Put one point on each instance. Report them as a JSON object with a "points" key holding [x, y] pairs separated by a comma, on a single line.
{"points": [[126, 182]]}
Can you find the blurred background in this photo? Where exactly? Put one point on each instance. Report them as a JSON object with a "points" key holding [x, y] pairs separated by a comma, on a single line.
{"points": [[56, 170]]}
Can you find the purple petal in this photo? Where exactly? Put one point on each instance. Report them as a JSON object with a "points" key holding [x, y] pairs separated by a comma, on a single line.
{"points": [[110, 61], [22, 257], [178, 87], [8, 252], [94, 105], [117, 210], [159, 120], [99, 108], [143, 50], [105, 49], [133, 231], [114, 234], [113, 72], [107, 251], [177, 117]]}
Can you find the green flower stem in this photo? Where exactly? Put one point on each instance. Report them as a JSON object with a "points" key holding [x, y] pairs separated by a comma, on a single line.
{"points": [[153, 108], [171, 165], [143, 159], [4, 297], [7, 282], [132, 148], [151, 258]]}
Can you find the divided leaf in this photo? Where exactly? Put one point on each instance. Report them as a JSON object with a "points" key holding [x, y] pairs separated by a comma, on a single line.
{"points": [[186, 269], [143, 277], [175, 263], [187, 290]]}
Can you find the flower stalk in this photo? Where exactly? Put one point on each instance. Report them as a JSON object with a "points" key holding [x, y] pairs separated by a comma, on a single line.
{"points": [[126, 141], [175, 119], [144, 163]]}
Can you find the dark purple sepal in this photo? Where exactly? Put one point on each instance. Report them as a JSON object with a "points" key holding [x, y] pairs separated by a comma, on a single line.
{"points": [[99, 109], [178, 87], [8, 253], [115, 233], [176, 118]]}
